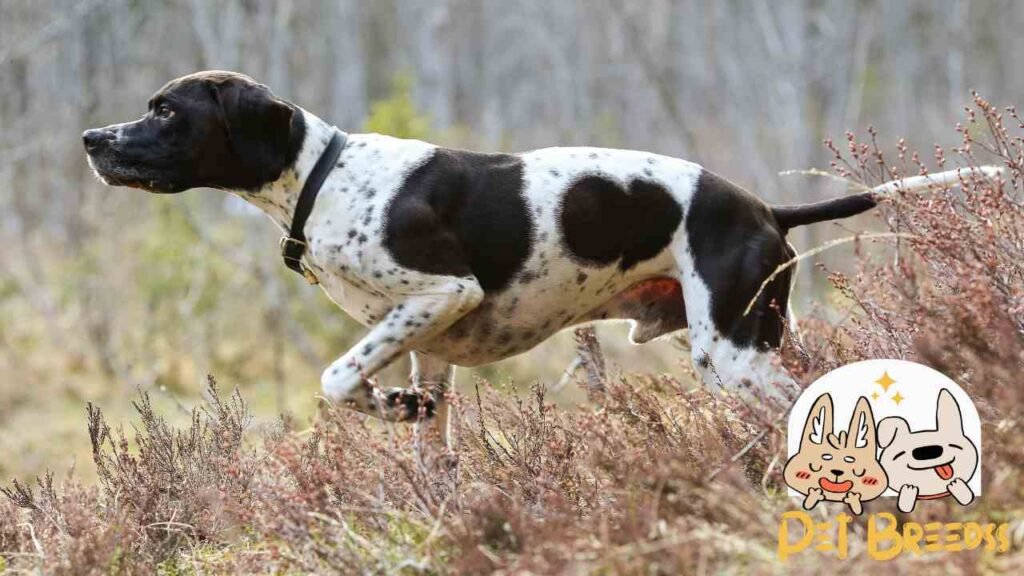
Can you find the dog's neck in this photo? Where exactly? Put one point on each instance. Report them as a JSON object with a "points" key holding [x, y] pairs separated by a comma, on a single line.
{"points": [[278, 198]]}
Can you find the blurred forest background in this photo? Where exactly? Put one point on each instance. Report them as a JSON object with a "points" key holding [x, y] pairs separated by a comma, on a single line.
{"points": [[104, 291]]}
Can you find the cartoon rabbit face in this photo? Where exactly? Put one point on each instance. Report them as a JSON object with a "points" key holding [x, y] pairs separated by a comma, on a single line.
{"points": [[928, 459], [837, 464]]}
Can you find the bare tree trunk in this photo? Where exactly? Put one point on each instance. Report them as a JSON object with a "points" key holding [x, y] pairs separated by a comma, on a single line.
{"points": [[346, 64], [218, 28], [428, 48]]}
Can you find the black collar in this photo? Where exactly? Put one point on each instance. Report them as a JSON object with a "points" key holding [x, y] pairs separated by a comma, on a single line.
{"points": [[293, 246]]}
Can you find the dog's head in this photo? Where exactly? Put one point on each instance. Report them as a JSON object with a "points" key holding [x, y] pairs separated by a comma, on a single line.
{"points": [[928, 459], [215, 129], [841, 463]]}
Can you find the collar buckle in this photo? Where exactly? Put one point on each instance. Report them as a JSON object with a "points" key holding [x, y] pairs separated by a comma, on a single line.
{"points": [[292, 250], [286, 243]]}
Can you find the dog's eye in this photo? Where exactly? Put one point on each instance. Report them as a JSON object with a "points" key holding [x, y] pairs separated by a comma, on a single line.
{"points": [[164, 112], [826, 456], [849, 459], [811, 466]]}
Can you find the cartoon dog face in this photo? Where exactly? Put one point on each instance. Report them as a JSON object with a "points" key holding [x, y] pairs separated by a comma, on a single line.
{"points": [[837, 464], [928, 459]]}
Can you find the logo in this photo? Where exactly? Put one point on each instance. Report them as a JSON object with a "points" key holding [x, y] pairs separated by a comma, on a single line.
{"points": [[879, 429]]}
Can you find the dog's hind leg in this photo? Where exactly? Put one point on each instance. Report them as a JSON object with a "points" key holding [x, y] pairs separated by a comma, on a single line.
{"points": [[432, 378], [794, 328], [733, 350], [415, 319]]}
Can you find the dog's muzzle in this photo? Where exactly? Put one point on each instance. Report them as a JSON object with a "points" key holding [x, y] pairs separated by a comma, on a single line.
{"points": [[97, 138]]}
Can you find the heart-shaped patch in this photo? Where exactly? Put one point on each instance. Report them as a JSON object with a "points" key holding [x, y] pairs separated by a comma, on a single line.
{"points": [[603, 222]]}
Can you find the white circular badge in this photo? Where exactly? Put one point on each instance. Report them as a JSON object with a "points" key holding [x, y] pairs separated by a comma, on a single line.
{"points": [[883, 428]]}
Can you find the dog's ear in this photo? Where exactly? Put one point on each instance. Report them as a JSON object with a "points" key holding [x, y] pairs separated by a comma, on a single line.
{"points": [[862, 426], [258, 125], [947, 413], [891, 427], [819, 421]]}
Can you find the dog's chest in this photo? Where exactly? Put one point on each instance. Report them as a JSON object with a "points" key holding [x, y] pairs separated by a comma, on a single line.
{"points": [[344, 266], [345, 228]]}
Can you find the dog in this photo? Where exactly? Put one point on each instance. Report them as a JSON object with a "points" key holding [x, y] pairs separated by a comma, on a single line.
{"points": [[929, 464], [837, 468], [466, 258]]}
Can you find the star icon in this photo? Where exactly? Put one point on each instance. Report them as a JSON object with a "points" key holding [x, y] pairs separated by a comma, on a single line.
{"points": [[898, 398], [885, 381], [875, 396]]}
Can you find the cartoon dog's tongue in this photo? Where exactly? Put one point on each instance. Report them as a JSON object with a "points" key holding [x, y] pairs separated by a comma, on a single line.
{"points": [[945, 471], [831, 486]]}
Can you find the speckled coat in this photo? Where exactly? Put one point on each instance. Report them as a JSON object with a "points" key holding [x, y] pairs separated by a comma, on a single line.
{"points": [[465, 258]]}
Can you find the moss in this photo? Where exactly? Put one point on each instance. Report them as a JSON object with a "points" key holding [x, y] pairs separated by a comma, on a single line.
{"points": [[397, 115]]}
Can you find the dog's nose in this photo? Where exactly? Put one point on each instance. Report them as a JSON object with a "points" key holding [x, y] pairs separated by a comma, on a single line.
{"points": [[96, 137], [926, 452], [837, 472]]}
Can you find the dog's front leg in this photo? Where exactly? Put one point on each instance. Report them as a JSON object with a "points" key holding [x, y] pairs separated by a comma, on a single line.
{"points": [[814, 495], [415, 319]]}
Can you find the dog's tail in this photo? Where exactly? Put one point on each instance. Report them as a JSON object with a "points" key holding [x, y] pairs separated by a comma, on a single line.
{"points": [[803, 214]]}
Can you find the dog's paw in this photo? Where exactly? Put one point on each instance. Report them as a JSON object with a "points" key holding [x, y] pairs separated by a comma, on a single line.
{"points": [[407, 404], [907, 498], [961, 491], [852, 499], [814, 495], [448, 461], [344, 384]]}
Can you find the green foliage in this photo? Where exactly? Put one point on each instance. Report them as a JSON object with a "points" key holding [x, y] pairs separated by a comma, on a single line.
{"points": [[8, 289], [397, 115], [321, 319], [174, 254], [607, 130]]}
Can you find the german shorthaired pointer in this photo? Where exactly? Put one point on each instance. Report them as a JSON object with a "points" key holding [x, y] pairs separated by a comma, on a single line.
{"points": [[464, 258]]}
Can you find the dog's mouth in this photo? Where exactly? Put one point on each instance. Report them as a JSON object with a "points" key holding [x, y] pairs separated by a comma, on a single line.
{"points": [[108, 171], [944, 471], [838, 487], [113, 174], [112, 179]]}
